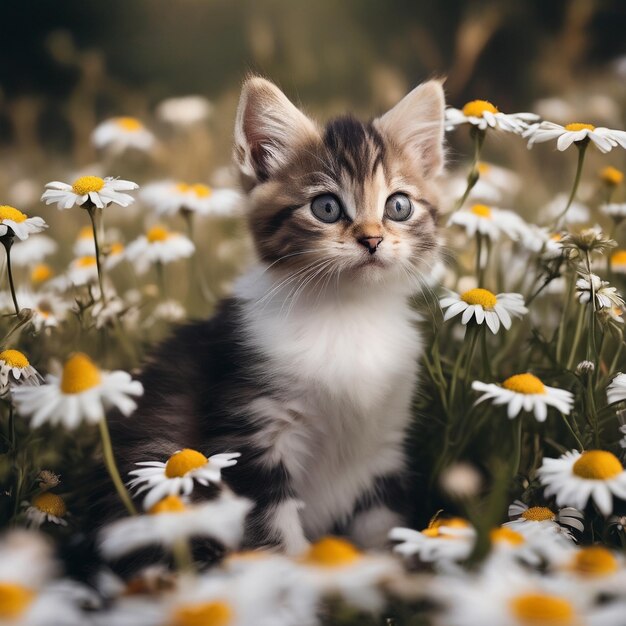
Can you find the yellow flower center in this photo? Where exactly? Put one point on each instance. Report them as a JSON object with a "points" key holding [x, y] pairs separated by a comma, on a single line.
{"points": [[202, 191], [14, 600], [483, 168], [482, 210], [597, 465], [79, 374], [11, 213], [131, 124], [86, 261], [618, 257], [183, 462], [50, 503], [540, 609], [480, 296], [41, 273], [116, 248], [476, 108], [86, 232], [611, 175], [85, 184], [170, 504], [506, 535], [14, 358], [434, 526], [216, 613], [595, 561], [524, 383], [538, 514], [576, 126], [332, 552], [157, 233], [182, 187]]}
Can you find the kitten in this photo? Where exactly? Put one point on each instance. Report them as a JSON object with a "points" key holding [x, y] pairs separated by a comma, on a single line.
{"points": [[309, 369]]}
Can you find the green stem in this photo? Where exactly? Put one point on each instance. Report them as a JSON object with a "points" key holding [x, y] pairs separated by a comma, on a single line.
{"points": [[109, 459], [7, 242], [479, 254], [571, 430], [517, 446], [478, 136], [183, 557], [562, 325], [582, 149], [160, 270], [578, 332], [92, 216]]}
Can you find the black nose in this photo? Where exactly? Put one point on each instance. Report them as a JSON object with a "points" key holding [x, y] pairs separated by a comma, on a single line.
{"points": [[371, 243]]}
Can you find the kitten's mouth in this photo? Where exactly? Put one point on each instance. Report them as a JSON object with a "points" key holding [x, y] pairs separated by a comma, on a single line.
{"points": [[371, 260]]}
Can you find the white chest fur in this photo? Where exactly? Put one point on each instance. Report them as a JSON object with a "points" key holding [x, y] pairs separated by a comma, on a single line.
{"points": [[345, 370]]}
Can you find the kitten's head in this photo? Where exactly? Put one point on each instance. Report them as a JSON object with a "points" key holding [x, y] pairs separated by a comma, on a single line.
{"points": [[352, 200]]}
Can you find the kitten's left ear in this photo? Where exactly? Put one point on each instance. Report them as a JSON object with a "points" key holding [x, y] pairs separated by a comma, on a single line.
{"points": [[416, 124], [268, 131]]}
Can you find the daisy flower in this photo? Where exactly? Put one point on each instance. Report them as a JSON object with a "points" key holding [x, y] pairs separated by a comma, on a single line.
{"points": [[618, 261], [171, 520], [614, 210], [553, 248], [14, 223], [218, 202], [445, 539], [258, 596], [121, 133], [159, 245], [527, 392], [82, 393], [177, 475], [166, 197], [482, 219], [15, 369], [41, 273], [604, 139], [531, 547], [528, 518], [510, 596], [595, 568], [605, 296], [616, 391], [575, 478], [334, 566], [48, 310], [28, 596], [483, 115], [98, 191], [113, 254], [33, 250], [171, 197], [82, 271], [611, 176], [46, 507], [185, 110], [484, 306], [85, 244]]}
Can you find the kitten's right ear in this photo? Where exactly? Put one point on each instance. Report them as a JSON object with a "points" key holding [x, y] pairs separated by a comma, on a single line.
{"points": [[268, 130]]}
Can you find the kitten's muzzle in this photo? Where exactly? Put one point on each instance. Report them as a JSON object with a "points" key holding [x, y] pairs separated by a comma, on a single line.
{"points": [[371, 243]]}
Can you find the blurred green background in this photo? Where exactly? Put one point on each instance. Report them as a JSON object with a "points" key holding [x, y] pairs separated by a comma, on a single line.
{"points": [[66, 64]]}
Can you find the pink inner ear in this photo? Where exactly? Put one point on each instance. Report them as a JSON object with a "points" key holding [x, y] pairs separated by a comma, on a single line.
{"points": [[256, 144]]}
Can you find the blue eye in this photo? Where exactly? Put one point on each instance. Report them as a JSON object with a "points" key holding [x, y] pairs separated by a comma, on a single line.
{"points": [[398, 207], [326, 208]]}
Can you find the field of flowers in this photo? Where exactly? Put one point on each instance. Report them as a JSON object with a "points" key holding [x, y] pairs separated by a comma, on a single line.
{"points": [[520, 428]]}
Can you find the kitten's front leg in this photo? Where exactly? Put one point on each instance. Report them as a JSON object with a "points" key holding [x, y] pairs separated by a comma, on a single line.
{"points": [[382, 508], [275, 518]]}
